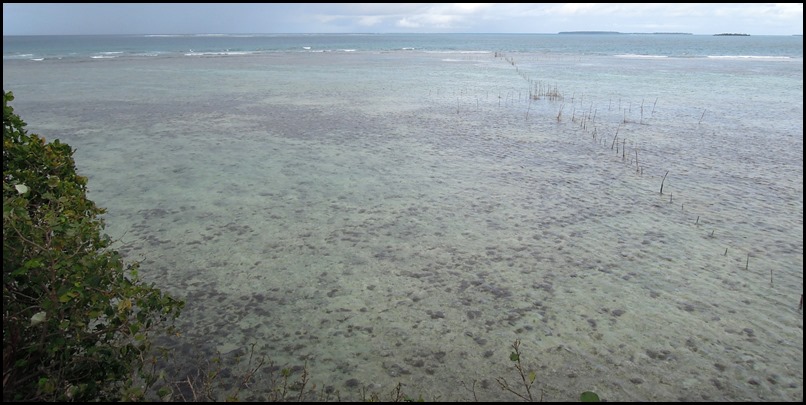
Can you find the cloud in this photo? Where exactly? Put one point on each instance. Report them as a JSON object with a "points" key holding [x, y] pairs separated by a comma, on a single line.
{"points": [[431, 21], [576, 8], [425, 16], [370, 20], [463, 8]]}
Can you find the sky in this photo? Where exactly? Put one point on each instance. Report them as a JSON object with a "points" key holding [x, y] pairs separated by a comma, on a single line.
{"points": [[267, 18]]}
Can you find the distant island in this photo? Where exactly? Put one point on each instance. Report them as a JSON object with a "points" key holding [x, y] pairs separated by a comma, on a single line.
{"points": [[727, 34]]}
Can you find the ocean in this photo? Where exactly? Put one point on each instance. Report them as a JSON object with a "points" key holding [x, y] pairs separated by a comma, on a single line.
{"points": [[390, 209]]}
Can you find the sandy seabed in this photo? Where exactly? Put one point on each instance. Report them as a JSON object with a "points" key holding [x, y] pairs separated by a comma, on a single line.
{"points": [[390, 225]]}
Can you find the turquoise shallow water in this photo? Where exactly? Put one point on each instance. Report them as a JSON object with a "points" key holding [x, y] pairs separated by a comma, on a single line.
{"points": [[404, 216]]}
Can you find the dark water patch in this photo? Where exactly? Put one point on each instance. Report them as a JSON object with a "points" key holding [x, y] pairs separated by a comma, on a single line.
{"points": [[662, 355], [692, 345], [439, 356], [636, 380], [497, 292], [155, 213], [395, 370], [547, 287], [414, 362]]}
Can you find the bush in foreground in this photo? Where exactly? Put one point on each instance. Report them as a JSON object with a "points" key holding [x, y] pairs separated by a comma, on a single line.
{"points": [[76, 318]]}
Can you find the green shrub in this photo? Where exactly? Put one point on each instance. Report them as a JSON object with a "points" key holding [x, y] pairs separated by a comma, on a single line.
{"points": [[76, 318]]}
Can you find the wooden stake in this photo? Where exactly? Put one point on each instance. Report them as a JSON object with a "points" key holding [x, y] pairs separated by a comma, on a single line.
{"points": [[642, 112], [661, 184], [614, 138]]}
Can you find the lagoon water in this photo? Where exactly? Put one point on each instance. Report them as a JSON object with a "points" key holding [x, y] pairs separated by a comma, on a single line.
{"points": [[401, 208]]}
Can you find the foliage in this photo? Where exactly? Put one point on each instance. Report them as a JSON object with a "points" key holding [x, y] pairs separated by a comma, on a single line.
{"points": [[76, 318], [528, 379], [589, 396]]}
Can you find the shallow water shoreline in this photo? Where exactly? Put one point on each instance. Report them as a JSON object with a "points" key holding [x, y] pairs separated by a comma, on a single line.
{"points": [[406, 225]]}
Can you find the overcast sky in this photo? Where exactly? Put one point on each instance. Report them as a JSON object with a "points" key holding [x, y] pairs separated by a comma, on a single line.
{"points": [[221, 18]]}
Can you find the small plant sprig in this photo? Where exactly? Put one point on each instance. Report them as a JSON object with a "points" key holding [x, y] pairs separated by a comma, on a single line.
{"points": [[397, 395], [528, 380]]}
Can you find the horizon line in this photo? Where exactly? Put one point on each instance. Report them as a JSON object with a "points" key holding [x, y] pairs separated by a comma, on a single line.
{"points": [[579, 32]]}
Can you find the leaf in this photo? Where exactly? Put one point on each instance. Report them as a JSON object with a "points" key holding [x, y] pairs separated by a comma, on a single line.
{"points": [[532, 377], [20, 271], [93, 280], [514, 356], [53, 181], [46, 385], [21, 188], [124, 305], [38, 318], [67, 296], [163, 392], [589, 396]]}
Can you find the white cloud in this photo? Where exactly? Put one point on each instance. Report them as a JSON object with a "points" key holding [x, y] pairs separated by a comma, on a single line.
{"points": [[431, 21], [576, 8], [326, 19], [465, 8], [370, 20], [407, 23], [426, 16]]}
